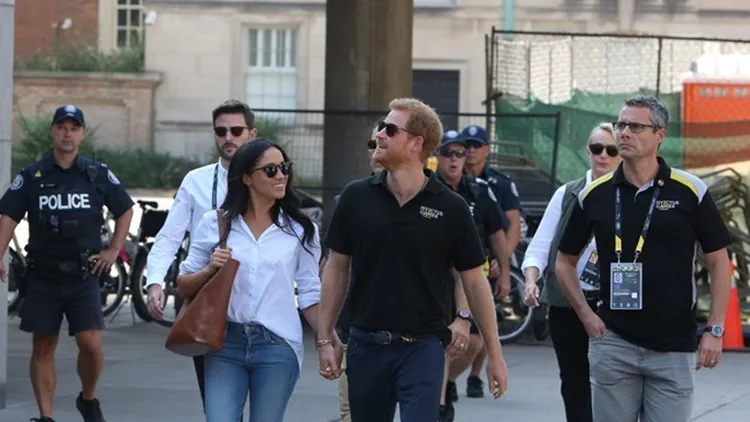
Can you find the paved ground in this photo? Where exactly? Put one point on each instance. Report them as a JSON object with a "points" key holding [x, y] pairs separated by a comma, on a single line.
{"points": [[143, 382]]}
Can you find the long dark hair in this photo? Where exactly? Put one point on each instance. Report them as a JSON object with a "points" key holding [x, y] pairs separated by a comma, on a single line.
{"points": [[238, 199]]}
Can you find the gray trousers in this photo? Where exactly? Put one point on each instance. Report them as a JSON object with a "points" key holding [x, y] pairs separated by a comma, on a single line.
{"points": [[629, 382]]}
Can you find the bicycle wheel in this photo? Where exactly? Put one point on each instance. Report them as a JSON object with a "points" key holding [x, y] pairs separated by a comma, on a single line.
{"points": [[172, 297], [138, 285], [16, 276], [513, 315], [112, 287]]}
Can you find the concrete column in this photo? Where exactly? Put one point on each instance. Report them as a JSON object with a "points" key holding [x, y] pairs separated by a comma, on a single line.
{"points": [[626, 14], [7, 14], [368, 63]]}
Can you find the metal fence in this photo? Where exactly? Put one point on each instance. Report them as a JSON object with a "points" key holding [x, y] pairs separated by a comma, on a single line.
{"points": [[586, 77], [301, 132]]}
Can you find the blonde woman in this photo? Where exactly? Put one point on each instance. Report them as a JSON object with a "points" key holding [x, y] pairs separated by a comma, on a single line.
{"points": [[569, 338]]}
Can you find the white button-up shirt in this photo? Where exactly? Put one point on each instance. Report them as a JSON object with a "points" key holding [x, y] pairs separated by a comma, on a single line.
{"points": [[263, 290], [194, 198], [537, 253]]}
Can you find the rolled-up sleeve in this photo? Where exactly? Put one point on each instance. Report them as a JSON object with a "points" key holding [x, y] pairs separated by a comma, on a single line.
{"points": [[202, 243], [537, 253], [170, 236], [307, 278]]}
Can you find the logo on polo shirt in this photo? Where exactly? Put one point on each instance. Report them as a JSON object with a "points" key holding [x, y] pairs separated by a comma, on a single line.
{"points": [[666, 205], [430, 213]]}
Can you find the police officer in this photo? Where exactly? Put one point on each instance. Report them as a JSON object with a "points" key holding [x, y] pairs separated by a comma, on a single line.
{"points": [[63, 194], [478, 148], [490, 222]]}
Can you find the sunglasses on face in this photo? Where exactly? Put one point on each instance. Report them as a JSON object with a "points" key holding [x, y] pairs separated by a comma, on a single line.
{"points": [[221, 131], [391, 129], [597, 149], [634, 127], [473, 144], [372, 144], [448, 153], [271, 170]]}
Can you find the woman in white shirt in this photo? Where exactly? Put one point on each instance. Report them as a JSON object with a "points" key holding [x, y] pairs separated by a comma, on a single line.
{"points": [[276, 246], [569, 338]]}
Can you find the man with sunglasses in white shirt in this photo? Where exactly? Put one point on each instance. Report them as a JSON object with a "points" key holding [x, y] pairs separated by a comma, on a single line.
{"points": [[202, 190]]}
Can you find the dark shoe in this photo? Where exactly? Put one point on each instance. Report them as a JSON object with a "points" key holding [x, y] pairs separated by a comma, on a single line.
{"points": [[90, 409], [43, 419], [447, 413], [451, 392], [474, 387]]}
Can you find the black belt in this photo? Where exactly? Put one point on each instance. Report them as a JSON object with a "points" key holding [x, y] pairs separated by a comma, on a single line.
{"points": [[386, 337]]}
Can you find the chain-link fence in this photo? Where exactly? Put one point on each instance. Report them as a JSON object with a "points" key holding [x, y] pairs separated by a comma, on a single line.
{"points": [[301, 133], [586, 77]]}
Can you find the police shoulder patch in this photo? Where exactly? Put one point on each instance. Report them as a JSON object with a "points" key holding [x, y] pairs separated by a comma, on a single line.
{"points": [[112, 178], [513, 188], [17, 182], [481, 181]]}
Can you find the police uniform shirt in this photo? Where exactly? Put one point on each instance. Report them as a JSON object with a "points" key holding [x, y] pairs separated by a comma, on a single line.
{"points": [[64, 205], [503, 186], [684, 216], [483, 205], [202, 190], [400, 255]]}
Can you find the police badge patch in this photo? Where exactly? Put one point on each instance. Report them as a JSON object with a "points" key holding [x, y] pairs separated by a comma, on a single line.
{"points": [[17, 183], [112, 178]]}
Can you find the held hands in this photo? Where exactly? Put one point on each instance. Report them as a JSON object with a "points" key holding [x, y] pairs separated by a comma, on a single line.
{"points": [[103, 260], [330, 356], [220, 257], [460, 330]]}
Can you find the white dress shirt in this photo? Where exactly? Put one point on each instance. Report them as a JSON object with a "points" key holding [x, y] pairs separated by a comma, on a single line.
{"points": [[537, 253], [194, 198], [263, 290]]}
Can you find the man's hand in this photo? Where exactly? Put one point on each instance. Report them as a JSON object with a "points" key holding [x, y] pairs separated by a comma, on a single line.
{"points": [[330, 356], [494, 270], [594, 325], [709, 352], [103, 260], [460, 331], [531, 295], [497, 376], [156, 301], [502, 286]]}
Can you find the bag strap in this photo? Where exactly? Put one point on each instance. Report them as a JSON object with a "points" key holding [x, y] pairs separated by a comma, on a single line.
{"points": [[222, 227]]}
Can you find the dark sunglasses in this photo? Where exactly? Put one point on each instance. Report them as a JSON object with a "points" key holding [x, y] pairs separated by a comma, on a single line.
{"points": [[458, 153], [471, 143], [221, 131], [272, 169], [372, 144], [597, 149], [391, 129]]}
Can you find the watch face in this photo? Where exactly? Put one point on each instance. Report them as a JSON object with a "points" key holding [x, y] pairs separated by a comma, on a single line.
{"points": [[463, 313], [717, 330]]}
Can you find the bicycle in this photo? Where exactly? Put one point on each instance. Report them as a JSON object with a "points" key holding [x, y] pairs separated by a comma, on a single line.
{"points": [[116, 281], [152, 220]]}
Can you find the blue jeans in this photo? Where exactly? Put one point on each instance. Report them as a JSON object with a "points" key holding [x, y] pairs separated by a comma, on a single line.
{"points": [[382, 370], [252, 359]]}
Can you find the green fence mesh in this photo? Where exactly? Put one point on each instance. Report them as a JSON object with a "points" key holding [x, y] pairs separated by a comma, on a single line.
{"points": [[577, 117]]}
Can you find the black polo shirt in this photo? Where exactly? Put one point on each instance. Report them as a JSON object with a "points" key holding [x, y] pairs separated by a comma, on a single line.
{"points": [[685, 217], [401, 255]]}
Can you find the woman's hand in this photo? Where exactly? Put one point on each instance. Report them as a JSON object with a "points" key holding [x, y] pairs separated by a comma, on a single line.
{"points": [[220, 257]]}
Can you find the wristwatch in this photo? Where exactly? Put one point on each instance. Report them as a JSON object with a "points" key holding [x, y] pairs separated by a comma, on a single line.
{"points": [[715, 330], [463, 314]]}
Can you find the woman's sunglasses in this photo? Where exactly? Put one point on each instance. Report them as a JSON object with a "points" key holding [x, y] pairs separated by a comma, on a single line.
{"points": [[597, 149], [272, 169], [391, 129], [221, 131]]}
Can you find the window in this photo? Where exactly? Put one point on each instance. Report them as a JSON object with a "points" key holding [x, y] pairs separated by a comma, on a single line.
{"points": [[271, 72], [129, 23]]}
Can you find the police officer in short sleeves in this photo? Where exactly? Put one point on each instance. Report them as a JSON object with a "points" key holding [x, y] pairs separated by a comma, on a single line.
{"points": [[63, 194]]}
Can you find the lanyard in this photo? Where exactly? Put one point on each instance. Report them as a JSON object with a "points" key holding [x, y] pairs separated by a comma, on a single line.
{"points": [[213, 193], [646, 224]]}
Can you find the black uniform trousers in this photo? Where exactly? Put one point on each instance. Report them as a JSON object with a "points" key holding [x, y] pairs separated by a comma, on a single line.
{"points": [[571, 343]]}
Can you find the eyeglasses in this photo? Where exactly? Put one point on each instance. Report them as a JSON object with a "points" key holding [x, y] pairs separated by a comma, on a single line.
{"points": [[471, 143], [372, 144], [634, 127], [458, 153], [391, 129], [221, 131], [272, 169], [597, 149]]}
